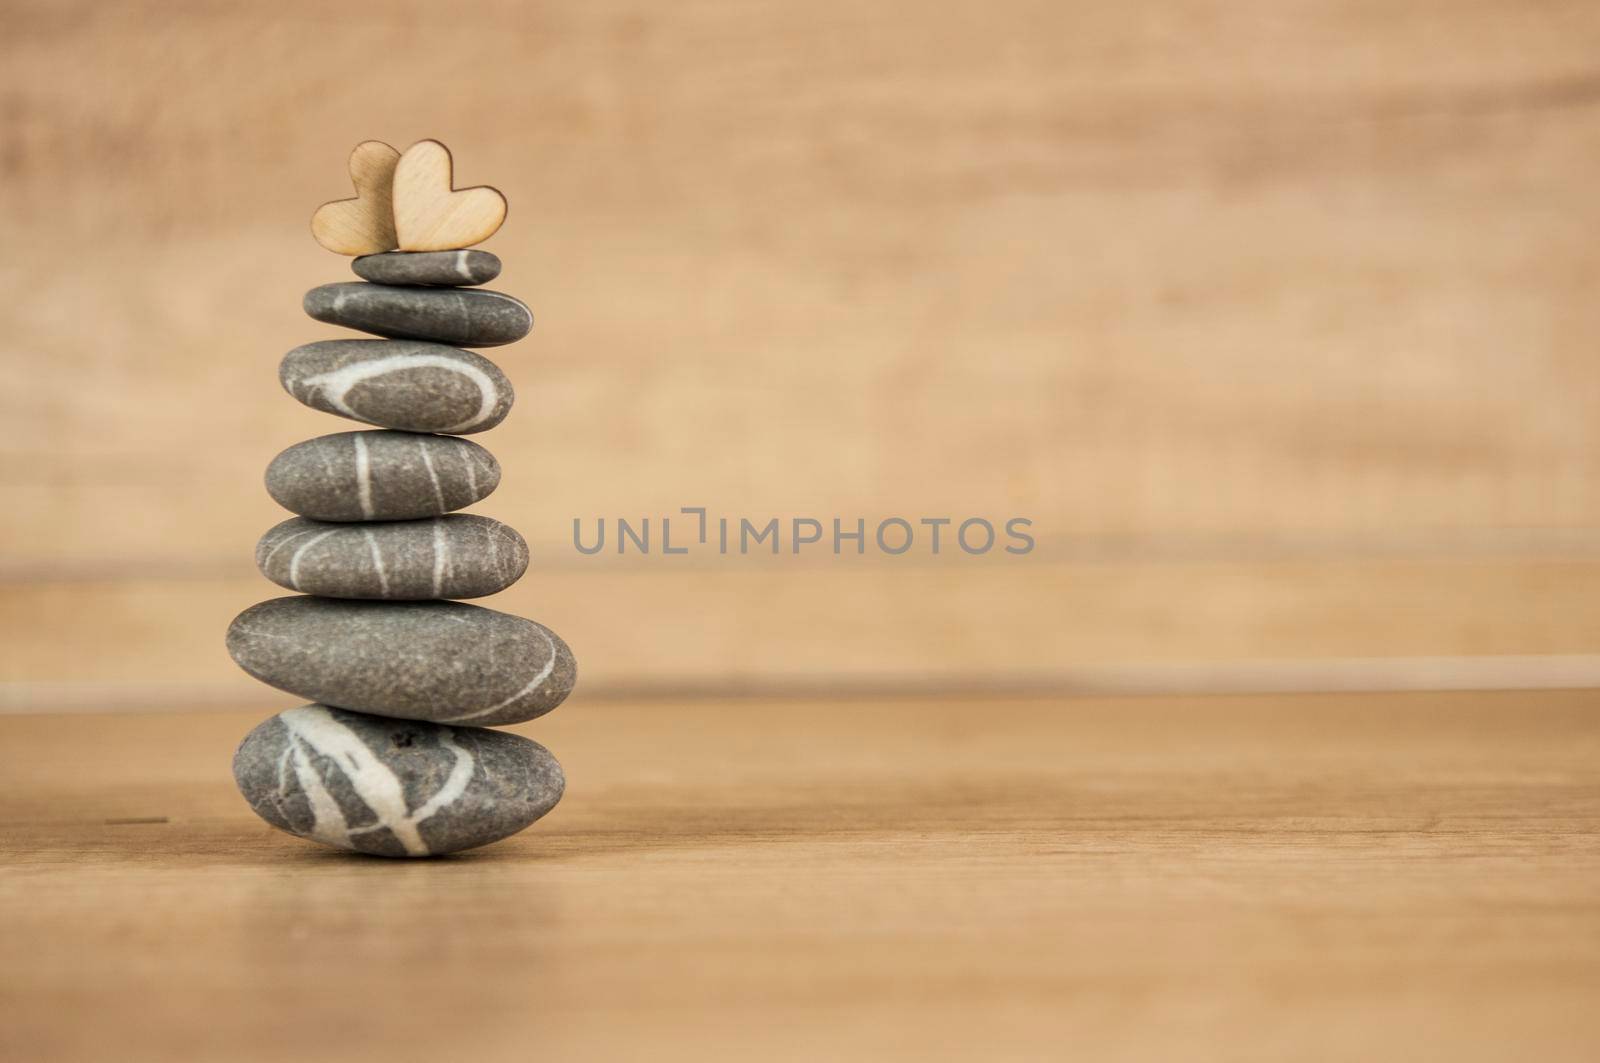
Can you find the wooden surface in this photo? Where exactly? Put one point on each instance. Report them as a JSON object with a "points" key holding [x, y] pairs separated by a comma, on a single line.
{"points": [[1226, 277], [109, 642], [1270, 878]]}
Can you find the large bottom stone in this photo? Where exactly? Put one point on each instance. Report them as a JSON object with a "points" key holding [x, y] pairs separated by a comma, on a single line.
{"points": [[393, 787]]}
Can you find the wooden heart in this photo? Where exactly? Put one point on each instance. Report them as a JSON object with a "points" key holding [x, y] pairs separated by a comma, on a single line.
{"points": [[429, 215], [363, 225]]}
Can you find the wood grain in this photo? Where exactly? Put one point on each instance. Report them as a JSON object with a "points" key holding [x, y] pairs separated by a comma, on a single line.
{"points": [[364, 225], [156, 642], [430, 213], [1243, 879]]}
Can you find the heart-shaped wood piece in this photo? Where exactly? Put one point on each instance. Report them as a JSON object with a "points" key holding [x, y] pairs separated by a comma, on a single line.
{"points": [[363, 225], [429, 215]]}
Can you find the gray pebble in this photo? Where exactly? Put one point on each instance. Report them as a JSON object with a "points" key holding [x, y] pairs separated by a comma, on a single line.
{"points": [[393, 787], [381, 475], [428, 267], [457, 556], [404, 384], [447, 662], [466, 317]]}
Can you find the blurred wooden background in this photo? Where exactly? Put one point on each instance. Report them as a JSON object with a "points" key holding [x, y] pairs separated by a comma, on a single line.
{"points": [[1281, 321]]}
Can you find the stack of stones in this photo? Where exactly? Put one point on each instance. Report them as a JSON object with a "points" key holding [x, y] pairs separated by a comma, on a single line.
{"points": [[394, 758]]}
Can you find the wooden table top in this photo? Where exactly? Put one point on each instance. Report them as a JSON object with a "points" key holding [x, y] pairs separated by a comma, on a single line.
{"points": [[1242, 878]]}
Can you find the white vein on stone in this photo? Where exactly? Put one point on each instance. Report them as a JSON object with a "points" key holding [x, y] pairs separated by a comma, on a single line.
{"points": [[328, 824], [283, 767], [294, 558], [461, 266], [518, 303], [259, 633], [285, 541], [335, 384], [455, 784], [377, 559], [441, 551], [374, 782], [363, 476], [533, 684], [433, 476]]}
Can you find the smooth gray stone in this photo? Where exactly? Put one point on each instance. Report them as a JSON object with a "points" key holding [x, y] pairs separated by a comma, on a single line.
{"points": [[457, 556], [447, 662], [393, 787], [449, 268], [381, 475], [466, 317], [404, 384]]}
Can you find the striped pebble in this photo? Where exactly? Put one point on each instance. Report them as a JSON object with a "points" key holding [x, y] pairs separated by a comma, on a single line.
{"points": [[458, 556], [381, 475], [415, 387], [428, 267], [392, 787]]}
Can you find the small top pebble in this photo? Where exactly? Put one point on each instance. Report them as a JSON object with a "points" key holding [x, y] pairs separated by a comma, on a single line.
{"points": [[447, 268]]}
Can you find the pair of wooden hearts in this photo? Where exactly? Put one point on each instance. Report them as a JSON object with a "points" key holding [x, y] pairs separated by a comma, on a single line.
{"points": [[406, 202]]}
